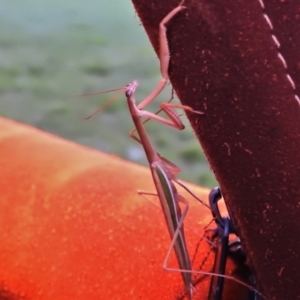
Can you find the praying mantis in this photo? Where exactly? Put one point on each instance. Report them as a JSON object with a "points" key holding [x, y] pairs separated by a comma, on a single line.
{"points": [[163, 171], [164, 179], [163, 174]]}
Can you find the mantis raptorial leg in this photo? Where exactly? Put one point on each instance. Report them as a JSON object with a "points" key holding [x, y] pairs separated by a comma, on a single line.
{"points": [[164, 58]]}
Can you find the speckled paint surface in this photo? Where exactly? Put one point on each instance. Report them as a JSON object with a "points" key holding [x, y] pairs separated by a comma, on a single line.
{"points": [[73, 227]]}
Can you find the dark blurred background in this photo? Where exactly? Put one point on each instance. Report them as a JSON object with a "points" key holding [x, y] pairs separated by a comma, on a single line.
{"points": [[53, 50]]}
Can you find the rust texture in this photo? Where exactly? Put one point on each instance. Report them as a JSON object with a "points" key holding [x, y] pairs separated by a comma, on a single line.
{"points": [[226, 62]]}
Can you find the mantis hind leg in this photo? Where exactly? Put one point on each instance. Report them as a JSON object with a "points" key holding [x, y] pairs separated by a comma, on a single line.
{"points": [[164, 56]]}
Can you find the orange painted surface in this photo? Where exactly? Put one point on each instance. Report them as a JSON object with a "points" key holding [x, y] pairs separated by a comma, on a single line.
{"points": [[73, 227]]}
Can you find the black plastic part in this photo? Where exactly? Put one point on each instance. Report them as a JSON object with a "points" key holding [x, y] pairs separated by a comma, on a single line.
{"points": [[214, 196], [217, 282], [224, 249]]}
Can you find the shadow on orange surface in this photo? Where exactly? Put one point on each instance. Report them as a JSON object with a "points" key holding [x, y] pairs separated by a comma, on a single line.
{"points": [[73, 226]]}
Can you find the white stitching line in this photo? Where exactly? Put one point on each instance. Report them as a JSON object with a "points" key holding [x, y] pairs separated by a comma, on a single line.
{"points": [[280, 56], [261, 2]]}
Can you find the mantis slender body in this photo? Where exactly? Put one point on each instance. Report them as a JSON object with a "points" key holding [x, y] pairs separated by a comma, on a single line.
{"points": [[163, 178]]}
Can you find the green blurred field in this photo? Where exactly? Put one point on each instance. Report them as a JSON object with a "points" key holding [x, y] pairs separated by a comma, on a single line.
{"points": [[51, 51]]}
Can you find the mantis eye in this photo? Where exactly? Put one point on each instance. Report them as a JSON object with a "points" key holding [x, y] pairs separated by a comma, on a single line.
{"points": [[130, 89], [128, 92]]}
